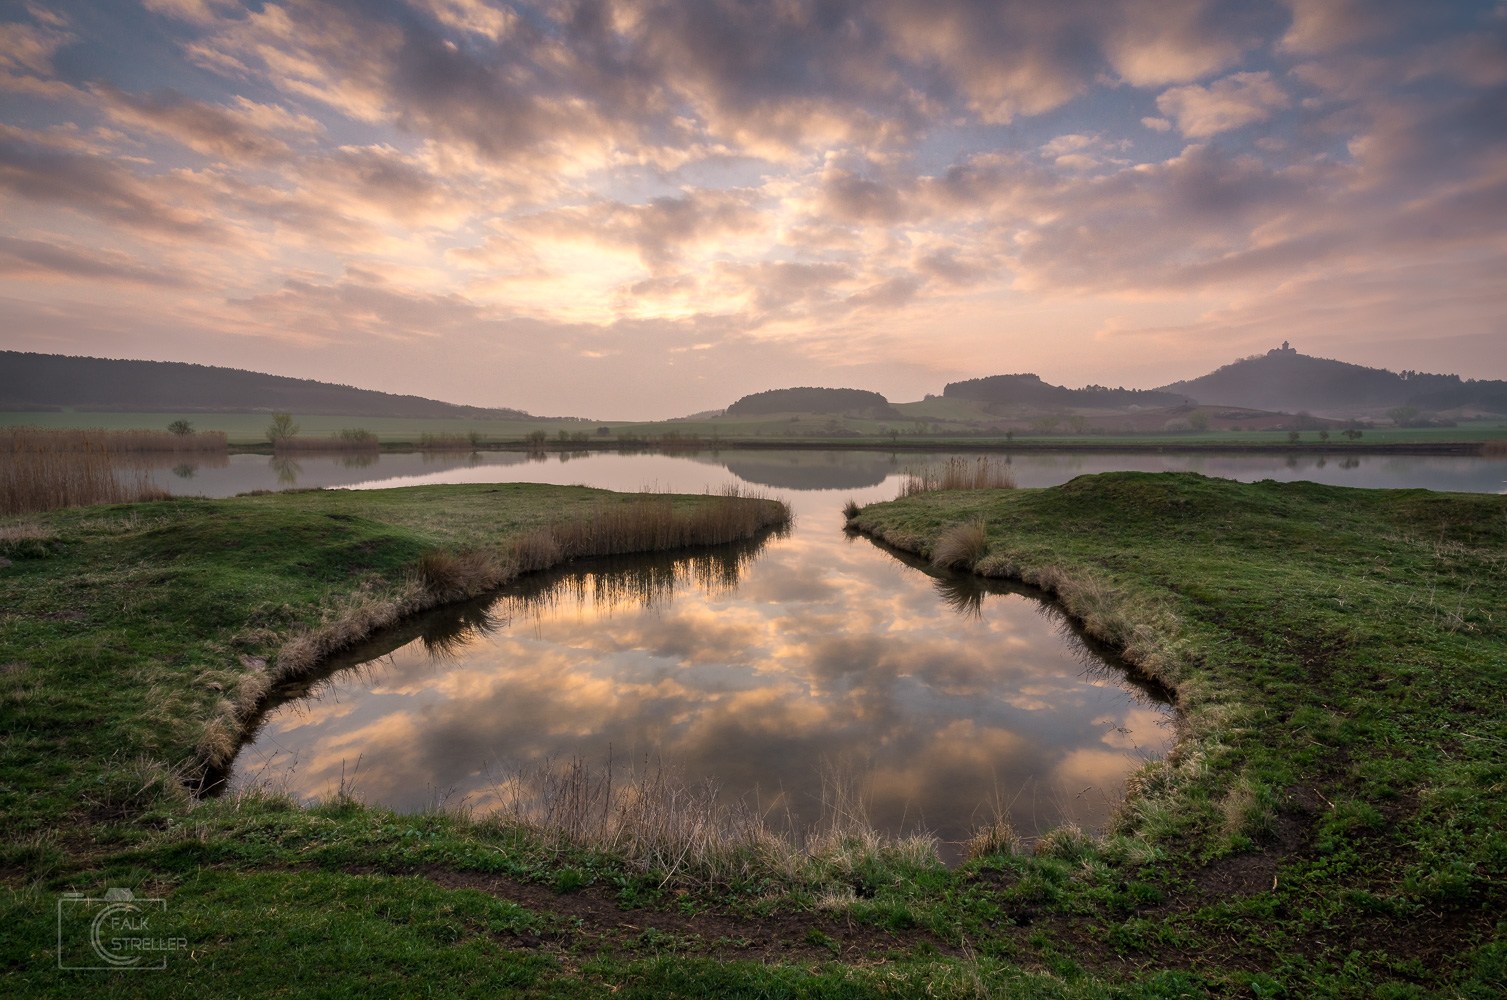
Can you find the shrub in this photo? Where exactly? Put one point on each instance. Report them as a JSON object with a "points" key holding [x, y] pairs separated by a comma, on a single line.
{"points": [[349, 439]]}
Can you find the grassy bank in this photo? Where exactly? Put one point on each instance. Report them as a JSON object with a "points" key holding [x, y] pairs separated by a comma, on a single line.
{"points": [[1333, 818], [1330, 825]]}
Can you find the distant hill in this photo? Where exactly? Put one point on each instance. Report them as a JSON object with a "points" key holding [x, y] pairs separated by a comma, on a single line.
{"points": [[1030, 390], [49, 381], [811, 400], [1283, 379]]}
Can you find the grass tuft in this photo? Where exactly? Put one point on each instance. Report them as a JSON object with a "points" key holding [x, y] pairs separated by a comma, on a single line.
{"points": [[998, 839], [961, 545]]}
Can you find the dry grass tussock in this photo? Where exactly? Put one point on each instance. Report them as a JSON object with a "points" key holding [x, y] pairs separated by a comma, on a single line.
{"points": [[19, 440], [35, 481], [998, 838], [957, 473], [961, 546]]}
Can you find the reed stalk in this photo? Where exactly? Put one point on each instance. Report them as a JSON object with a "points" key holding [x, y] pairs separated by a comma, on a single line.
{"points": [[957, 473]]}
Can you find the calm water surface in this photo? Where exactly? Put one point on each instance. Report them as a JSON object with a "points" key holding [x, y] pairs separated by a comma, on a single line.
{"points": [[760, 667], [797, 470]]}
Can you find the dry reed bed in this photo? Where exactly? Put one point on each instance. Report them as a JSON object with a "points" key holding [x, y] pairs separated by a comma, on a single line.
{"points": [[18, 440], [957, 473], [36, 481], [1494, 448]]}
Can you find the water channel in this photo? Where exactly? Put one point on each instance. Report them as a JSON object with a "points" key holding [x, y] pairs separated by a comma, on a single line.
{"points": [[775, 668]]}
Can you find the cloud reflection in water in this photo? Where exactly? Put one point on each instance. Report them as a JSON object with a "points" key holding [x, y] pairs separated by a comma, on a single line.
{"points": [[755, 665]]}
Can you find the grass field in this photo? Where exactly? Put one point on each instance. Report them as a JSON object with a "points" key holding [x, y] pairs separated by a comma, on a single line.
{"points": [[1331, 825], [249, 429]]}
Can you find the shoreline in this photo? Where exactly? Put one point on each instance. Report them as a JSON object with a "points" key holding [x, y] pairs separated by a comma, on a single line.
{"points": [[1458, 449]]}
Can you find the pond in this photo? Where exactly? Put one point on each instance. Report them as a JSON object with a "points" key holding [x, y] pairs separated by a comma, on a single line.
{"points": [[793, 671]]}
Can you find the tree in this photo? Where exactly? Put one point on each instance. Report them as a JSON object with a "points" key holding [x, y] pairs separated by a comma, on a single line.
{"points": [[1198, 420], [182, 428], [1323, 435], [1080, 424], [1403, 416], [1292, 437], [281, 428], [1044, 425], [1351, 433]]}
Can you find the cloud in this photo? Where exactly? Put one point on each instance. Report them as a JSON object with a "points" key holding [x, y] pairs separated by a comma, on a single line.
{"points": [[40, 259], [659, 231], [792, 184], [245, 132], [1230, 103], [197, 11], [29, 48], [31, 170]]}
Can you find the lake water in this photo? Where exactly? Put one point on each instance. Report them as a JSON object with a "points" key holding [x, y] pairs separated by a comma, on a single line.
{"points": [[798, 470], [767, 668]]}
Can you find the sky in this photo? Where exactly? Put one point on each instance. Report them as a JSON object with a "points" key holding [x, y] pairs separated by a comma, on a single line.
{"points": [[640, 209]]}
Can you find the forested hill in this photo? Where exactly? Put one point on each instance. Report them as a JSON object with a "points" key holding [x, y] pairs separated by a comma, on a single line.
{"points": [[49, 381], [1283, 379], [1030, 390], [812, 400]]}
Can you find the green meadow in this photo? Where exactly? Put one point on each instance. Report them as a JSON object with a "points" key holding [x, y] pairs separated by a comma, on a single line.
{"points": [[1331, 823]]}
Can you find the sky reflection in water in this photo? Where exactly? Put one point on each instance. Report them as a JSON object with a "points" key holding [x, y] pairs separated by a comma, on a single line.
{"points": [[757, 668]]}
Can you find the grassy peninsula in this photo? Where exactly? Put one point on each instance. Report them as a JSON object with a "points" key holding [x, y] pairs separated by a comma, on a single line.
{"points": [[1331, 824], [1333, 821]]}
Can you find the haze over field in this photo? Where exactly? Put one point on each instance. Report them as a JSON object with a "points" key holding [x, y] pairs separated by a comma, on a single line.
{"points": [[646, 208]]}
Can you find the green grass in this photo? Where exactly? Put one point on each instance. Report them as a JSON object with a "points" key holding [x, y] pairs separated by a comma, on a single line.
{"points": [[1340, 659], [1332, 824]]}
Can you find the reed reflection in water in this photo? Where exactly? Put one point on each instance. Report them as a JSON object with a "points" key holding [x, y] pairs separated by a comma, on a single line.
{"points": [[756, 666]]}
